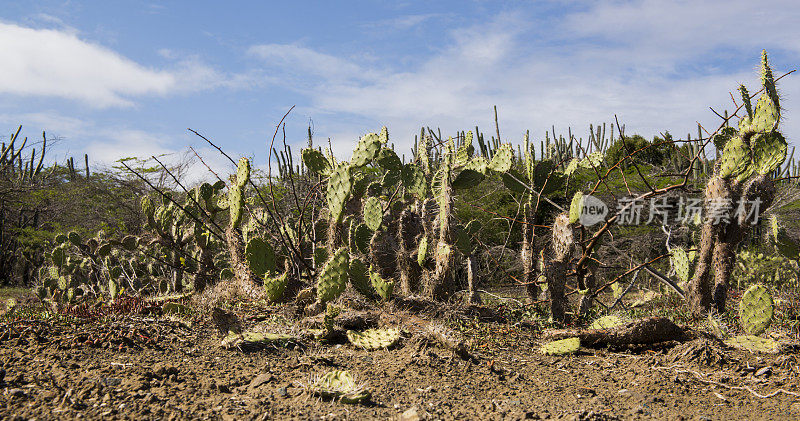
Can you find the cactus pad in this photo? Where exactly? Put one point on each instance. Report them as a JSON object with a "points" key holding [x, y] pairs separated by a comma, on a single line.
{"points": [[769, 152], [467, 179], [756, 309], [339, 186], [339, 385], [315, 161], [503, 159], [359, 238], [373, 213], [75, 239], [367, 149], [260, 256], [414, 180], [243, 172], [606, 322], [754, 344], [680, 262], [422, 251], [576, 208], [372, 339], [332, 280], [274, 286], [383, 287], [359, 278], [235, 204], [389, 160], [561, 347], [735, 159], [255, 340], [724, 136]]}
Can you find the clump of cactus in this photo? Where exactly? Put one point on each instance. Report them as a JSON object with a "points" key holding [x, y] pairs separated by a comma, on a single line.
{"points": [[341, 386], [741, 188], [756, 310]]}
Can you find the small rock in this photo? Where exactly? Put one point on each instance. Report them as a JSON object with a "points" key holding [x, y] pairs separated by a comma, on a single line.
{"points": [[260, 380], [764, 371], [412, 414], [282, 392]]}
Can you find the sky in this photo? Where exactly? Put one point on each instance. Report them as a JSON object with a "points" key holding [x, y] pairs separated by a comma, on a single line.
{"points": [[118, 79]]}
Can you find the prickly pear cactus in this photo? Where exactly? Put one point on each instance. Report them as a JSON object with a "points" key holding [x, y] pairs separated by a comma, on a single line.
{"points": [[367, 149], [340, 185], [359, 238], [373, 213], [383, 287], [359, 278], [503, 159], [561, 347], [414, 180], [372, 339], [274, 286], [756, 310], [248, 341], [235, 204], [332, 280], [243, 172], [576, 208], [315, 161], [754, 344], [339, 385], [422, 251], [563, 237], [680, 262], [260, 256], [606, 322]]}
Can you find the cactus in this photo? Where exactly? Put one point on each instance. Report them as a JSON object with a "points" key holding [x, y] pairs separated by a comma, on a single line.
{"points": [[383, 287], [503, 159], [576, 208], [422, 251], [743, 176], [561, 347], [360, 278], [414, 181], [316, 161], [367, 150], [255, 340], [340, 185], [332, 280], [243, 173], [274, 286], [373, 213], [339, 385], [606, 322], [260, 257], [359, 237], [680, 262], [373, 339], [756, 310], [754, 344]]}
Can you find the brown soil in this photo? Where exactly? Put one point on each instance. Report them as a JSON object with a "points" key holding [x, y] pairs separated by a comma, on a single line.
{"points": [[137, 367]]}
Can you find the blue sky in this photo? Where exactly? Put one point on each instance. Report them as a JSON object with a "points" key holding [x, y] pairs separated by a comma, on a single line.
{"points": [[126, 78]]}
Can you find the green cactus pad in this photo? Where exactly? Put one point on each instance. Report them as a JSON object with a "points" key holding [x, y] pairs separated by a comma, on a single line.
{"points": [[130, 242], [243, 172], [606, 322], [104, 250], [359, 278], [373, 339], [592, 161], [514, 181], [389, 160], [113, 289], [680, 262], [785, 244], [249, 341], [754, 344], [315, 161], [360, 236], [383, 287], [235, 204], [62, 238], [422, 251], [503, 159], [576, 208], [75, 239], [467, 179], [756, 310], [274, 286], [724, 136], [735, 160], [174, 308], [332, 280], [340, 385], [561, 347], [373, 213], [367, 149], [769, 152], [414, 181], [260, 256], [478, 164], [339, 187], [391, 179], [766, 115]]}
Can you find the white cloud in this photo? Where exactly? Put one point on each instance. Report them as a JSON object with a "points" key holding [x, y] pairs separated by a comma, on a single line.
{"points": [[46, 62], [655, 64]]}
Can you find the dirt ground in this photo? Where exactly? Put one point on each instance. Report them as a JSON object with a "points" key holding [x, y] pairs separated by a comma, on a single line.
{"points": [[153, 367]]}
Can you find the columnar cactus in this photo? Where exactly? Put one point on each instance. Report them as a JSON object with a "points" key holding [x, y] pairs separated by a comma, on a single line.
{"points": [[741, 188]]}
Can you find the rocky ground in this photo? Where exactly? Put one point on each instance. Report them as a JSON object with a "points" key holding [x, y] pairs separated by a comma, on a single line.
{"points": [[153, 367]]}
